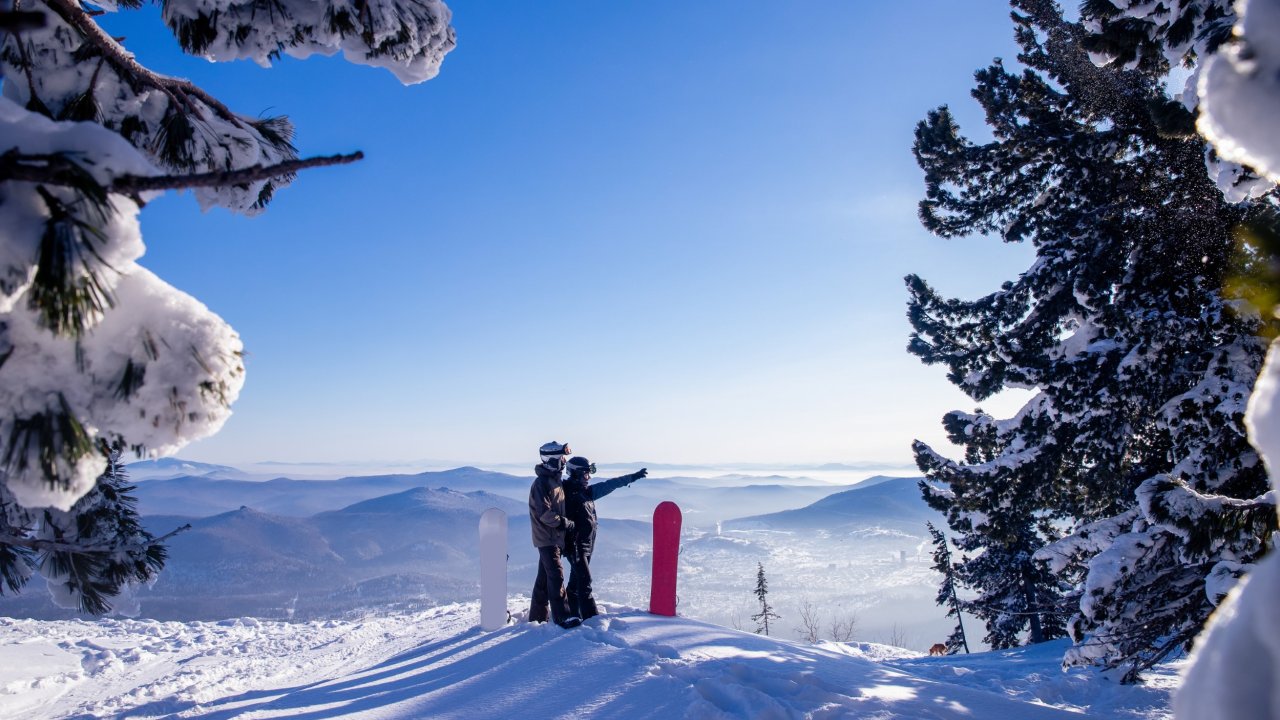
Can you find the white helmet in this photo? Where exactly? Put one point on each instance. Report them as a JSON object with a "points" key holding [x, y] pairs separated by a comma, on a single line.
{"points": [[554, 454]]}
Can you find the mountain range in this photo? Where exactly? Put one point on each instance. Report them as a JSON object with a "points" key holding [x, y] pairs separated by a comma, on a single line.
{"points": [[705, 501], [887, 502], [284, 551]]}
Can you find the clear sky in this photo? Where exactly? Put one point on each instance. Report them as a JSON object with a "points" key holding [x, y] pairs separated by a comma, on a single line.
{"points": [[672, 232]]}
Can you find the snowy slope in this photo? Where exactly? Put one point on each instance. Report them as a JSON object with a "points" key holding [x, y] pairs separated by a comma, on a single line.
{"points": [[438, 664]]}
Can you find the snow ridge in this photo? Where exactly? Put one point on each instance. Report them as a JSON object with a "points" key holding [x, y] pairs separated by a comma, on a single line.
{"points": [[438, 663]]}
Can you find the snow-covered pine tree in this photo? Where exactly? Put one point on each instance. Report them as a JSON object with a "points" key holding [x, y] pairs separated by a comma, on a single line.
{"points": [[95, 351], [1234, 661], [1233, 54], [761, 592], [947, 597], [96, 553], [1156, 37], [1133, 446]]}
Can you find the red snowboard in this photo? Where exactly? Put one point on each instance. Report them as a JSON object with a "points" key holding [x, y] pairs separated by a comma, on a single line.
{"points": [[666, 553]]}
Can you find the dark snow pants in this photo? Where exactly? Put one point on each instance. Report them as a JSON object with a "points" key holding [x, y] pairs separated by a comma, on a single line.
{"points": [[549, 588], [581, 600]]}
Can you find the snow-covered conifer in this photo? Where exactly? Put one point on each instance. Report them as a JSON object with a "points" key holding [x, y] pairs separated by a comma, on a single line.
{"points": [[947, 597], [1127, 474], [98, 551], [95, 351], [1233, 52], [92, 555], [1196, 35], [761, 592]]}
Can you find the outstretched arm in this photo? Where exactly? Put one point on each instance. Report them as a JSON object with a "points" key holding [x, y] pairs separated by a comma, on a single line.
{"points": [[601, 489]]}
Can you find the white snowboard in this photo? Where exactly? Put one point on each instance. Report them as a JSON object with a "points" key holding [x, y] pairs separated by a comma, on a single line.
{"points": [[493, 569]]}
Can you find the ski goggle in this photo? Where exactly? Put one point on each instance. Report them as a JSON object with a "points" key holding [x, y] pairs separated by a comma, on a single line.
{"points": [[589, 469]]}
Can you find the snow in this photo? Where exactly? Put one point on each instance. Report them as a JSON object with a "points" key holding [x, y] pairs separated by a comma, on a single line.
{"points": [[189, 360], [1240, 91], [437, 663], [23, 214], [1237, 658], [408, 37]]}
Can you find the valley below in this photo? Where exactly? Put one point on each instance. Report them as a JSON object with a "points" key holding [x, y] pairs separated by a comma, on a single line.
{"points": [[850, 562]]}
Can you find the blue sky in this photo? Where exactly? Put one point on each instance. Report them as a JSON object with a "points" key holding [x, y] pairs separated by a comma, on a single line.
{"points": [[659, 231]]}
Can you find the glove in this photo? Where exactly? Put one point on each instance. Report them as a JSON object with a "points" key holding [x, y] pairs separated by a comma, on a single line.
{"points": [[640, 474], [568, 525]]}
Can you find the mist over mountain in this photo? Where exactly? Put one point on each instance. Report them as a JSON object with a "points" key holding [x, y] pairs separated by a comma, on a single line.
{"points": [[704, 501], [414, 547], [300, 549], [166, 468], [200, 496], [893, 503]]}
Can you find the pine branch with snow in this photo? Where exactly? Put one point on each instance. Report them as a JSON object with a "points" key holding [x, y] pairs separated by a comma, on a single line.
{"points": [[1231, 81], [96, 351], [93, 555]]}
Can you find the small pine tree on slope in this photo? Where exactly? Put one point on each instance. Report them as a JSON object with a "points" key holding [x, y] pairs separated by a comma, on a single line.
{"points": [[947, 597], [766, 613], [95, 351], [1131, 458]]}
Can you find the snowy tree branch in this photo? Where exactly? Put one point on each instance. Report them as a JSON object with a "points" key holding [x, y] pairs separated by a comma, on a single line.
{"points": [[20, 20], [131, 183], [179, 91], [39, 545], [61, 170]]}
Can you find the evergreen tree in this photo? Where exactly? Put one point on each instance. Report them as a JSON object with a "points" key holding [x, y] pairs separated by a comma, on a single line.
{"points": [[95, 351], [1157, 37], [1131, 458], [947, 590], [92, 554], [766, 610]]}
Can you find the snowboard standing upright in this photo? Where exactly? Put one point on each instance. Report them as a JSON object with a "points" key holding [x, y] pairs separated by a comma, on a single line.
{"points": [[493, 569], [666, 554]]}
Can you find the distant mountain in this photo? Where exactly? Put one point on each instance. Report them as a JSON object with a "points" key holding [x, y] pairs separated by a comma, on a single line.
{"points": [[416, 545], [703, 500], [198, 496], [888, 502], [413, 546], [878, 479], [165, 468], [743, 480], [705, 504], [435, 526], [238, 549]]}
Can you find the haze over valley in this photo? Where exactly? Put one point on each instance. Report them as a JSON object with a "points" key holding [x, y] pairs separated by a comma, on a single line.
{"points": [[300, 549]]}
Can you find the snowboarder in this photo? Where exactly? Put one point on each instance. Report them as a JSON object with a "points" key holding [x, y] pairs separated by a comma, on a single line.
{"points": [[549, 524], [580, 506]]}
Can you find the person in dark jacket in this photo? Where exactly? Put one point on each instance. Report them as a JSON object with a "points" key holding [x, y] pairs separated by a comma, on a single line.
{"points": [[580, 497], [548, 521]]}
